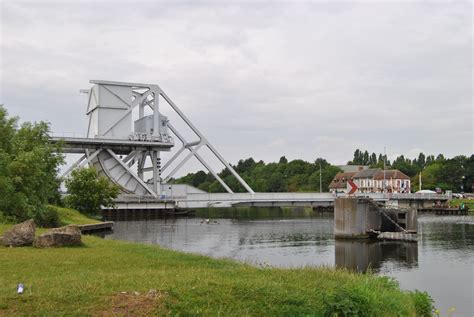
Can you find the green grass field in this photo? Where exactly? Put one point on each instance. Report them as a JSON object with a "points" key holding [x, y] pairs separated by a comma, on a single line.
{"points": [[115, 278]]}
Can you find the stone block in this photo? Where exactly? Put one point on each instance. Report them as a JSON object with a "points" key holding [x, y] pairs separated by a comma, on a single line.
{"points": [[60, 237], [22, 234]]}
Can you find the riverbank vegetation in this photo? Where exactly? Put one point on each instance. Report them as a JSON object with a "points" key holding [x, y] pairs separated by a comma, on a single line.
{"points": [[29, 181], [455, 174], [284, 176], [105, 277], [28, 171]]}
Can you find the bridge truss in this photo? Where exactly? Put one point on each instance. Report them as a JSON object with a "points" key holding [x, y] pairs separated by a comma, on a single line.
{"points": [[124, 150]]}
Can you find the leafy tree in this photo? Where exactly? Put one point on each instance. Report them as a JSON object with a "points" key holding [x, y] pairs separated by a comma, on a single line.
{"points": [[421, 161], [468, 179], [373, 159], [87, 191], [198, 178], [357, 159], [405, 166], [455, 174], [28, 170]]}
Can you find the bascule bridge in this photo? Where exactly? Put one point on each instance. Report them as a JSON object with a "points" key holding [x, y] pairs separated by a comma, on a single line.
{"points": [[129, 152]]}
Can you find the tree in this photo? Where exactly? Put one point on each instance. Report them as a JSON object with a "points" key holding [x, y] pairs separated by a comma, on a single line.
{"points": [[373, 159], [405, 166], [87, 191], [357, 159], [421, 161], [28, 169], [283, 160]]}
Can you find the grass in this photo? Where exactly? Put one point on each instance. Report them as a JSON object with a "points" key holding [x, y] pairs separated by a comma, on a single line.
{"points": [[468, 202], [106, 277], [69, 216]]}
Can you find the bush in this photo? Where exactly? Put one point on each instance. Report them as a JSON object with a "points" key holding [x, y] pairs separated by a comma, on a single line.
{"points": [[87, 191], [47, 218], [423, 303], [347, 302]]}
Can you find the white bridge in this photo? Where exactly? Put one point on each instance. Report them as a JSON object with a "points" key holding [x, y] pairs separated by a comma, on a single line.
{"points": [[129, 153]]}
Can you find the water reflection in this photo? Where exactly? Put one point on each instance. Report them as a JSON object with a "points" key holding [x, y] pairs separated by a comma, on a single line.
{"points": [[358, 255]]}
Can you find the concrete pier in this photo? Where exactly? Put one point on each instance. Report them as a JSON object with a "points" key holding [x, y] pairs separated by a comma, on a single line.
{"points": [[355, 217], [360, 217]]}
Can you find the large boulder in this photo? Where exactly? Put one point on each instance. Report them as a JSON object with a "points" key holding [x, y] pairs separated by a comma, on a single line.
{"points": [[20, 235], [60, 237]]}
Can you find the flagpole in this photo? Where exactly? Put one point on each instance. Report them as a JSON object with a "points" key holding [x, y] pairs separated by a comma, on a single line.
{"points": [[384, 162]]}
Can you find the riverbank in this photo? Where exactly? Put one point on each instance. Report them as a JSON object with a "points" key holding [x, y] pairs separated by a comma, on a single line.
{"points": [[106, 277], [467, 202]]}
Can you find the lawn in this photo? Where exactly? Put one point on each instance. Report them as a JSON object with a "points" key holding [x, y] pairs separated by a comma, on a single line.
{"points": [[105, 277]]}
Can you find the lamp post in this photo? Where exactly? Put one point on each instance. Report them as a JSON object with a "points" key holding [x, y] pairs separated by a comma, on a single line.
{"points": [[419, 181], [320, 179]]}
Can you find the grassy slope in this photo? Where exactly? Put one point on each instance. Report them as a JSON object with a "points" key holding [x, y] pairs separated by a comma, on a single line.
{"points": [[71, 216], [88, 279]]}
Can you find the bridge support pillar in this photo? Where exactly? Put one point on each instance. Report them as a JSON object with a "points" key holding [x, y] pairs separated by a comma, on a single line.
{"points": [[354, 217]]}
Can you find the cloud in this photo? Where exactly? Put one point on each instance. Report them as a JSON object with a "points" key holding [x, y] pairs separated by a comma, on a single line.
{"points": [[304, 80]]}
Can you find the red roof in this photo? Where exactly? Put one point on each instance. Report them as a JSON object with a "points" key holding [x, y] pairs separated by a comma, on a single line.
{"points": [[340, 180]]}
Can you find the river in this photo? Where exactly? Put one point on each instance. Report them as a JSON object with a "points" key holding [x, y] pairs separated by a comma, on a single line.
{"points": [[441, 263]]}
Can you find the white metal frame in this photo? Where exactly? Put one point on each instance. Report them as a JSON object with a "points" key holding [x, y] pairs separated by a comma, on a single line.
{"points": [[148, 95]]}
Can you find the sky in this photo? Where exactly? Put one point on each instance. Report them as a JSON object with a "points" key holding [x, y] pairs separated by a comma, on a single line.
{"points": [[259, 79]]}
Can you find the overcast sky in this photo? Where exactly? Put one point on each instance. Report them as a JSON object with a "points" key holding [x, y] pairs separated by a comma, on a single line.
{"points": [[261, 80]]}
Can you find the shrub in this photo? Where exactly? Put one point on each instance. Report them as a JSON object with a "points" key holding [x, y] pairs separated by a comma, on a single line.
{"points": [[87, 191], [47, 218], [347, 302], [423, 303]]}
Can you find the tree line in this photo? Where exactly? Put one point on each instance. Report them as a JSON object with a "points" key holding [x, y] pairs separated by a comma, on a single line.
{"points": [[456, 174], [281, 176]]}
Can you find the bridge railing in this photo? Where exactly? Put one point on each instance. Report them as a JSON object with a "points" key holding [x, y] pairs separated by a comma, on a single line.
{"points": [[67, 135], [422, 196]]}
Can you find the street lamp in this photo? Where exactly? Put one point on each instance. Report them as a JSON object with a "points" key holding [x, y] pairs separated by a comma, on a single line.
{"points": [[320, 180], [419, 180]]}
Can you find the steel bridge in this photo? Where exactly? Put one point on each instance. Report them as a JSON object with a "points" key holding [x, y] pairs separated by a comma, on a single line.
{"points": [[128, 152]]}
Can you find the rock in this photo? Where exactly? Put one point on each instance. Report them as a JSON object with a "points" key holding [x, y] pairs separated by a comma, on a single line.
{"points": [[21, 234], [60, 237]]}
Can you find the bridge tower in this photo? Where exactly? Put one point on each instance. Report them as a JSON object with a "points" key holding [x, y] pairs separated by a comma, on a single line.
{"points": [[125, 150]]}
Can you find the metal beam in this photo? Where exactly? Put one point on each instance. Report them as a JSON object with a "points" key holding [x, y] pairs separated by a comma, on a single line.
{"points": [[86, 158], [73, 166], [132, 174]]}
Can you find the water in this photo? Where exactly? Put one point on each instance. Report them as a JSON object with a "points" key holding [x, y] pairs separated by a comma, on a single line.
{"points": [[441, 263]]}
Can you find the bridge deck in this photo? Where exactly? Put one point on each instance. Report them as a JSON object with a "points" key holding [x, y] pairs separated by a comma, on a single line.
{"points": [[206, 200], [79, 145]]}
